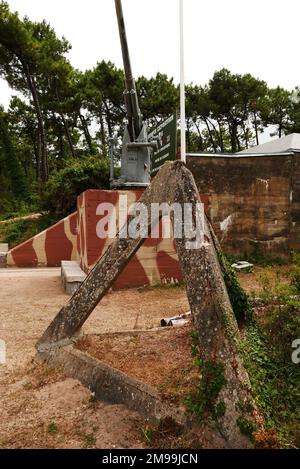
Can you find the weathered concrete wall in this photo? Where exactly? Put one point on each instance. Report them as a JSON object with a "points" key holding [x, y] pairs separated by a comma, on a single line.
{"points": [[253, 202]]}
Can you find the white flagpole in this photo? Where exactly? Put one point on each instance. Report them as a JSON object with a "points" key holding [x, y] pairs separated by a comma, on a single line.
{"points": [[182, 85]]}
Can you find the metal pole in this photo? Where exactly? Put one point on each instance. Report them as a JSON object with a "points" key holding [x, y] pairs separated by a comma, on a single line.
{"points": [[182, 84]]}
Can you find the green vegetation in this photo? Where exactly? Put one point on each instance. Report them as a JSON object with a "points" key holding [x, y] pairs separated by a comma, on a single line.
{"points": [[238, 297], [61, 190], [295, 272], [167, 434], [52, 428], [148, 434], [246, 426], [267, 346], [54, 136], [258, 256], [202, 401], [89, 440], [16, 231]]}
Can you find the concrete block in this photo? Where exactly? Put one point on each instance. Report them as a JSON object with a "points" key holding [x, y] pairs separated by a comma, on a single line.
{"points": [[3, 247], [113, 386], [243, 266], [72, 276]]}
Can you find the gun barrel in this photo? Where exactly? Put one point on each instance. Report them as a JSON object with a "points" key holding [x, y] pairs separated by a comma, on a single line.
{"points": [[130, 85], [134, 116]]}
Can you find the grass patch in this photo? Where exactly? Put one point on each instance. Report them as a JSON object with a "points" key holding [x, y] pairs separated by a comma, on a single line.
{"points": [[89, 441], [52, 428], [167, 434]]}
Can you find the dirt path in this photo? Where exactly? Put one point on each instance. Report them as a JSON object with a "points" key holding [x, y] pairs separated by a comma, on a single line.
{"points": [[40, 408], [33, 216]]}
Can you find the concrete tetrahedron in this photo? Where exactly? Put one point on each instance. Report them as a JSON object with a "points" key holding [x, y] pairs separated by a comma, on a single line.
{"points": [[212, 313]]}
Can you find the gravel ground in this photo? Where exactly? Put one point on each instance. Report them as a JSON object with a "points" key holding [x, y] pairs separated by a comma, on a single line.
{"points": [[40, 408]]}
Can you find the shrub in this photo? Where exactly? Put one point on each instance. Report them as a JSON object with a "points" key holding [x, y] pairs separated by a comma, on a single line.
{"points": [[61, 191]]}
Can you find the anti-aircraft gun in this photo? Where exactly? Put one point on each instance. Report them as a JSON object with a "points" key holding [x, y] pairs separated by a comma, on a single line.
{"points": [[136, 150]]}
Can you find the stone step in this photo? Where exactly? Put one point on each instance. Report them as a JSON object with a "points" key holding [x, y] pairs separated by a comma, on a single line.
{"points": [[72, 276], [3, 247]]}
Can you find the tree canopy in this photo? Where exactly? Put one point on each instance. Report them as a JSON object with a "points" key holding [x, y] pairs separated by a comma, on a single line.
{"points": [[60, 117]]}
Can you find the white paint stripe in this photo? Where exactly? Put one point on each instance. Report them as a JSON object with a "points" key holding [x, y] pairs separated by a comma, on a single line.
{"points": [[39, 246]]}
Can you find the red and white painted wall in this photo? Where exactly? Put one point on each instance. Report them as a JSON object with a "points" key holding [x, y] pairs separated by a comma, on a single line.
{"points": [[76, 238], [48, 248]]}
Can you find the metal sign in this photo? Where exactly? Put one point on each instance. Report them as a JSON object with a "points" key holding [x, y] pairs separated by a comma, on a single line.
{"points": [[166, 136]]}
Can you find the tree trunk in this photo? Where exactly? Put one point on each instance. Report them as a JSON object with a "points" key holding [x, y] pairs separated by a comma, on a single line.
{"points": [[67, 134], [199, 135], [216, 132], [108, 120], [66, 127], [86, 132], [188, 134], [36, 143], [102, 130], [210, 136], [44, 169], [245, 135], [233, 135], [280, 128], [256, 128], [221, 137]]}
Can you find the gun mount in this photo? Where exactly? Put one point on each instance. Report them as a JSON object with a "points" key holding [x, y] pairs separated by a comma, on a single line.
{"points": [[136, 150]]}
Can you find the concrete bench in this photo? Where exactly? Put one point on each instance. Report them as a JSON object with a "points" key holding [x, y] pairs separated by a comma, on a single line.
{"points": [[72, 276], [3, 255]]}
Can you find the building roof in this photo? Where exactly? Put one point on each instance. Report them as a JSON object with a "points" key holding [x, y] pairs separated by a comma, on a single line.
{"points": [[239, 155], [289, 143]]}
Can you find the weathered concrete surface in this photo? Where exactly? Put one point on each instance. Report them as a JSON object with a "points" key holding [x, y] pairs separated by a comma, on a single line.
{"points": [[71, 276], [213, 316], [253, 202], [112, 385]]}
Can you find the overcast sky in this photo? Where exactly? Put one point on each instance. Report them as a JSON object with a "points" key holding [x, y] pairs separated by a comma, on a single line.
{"points": [[256, 36]]}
